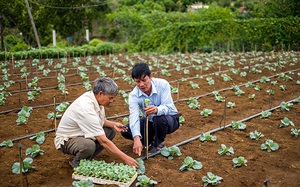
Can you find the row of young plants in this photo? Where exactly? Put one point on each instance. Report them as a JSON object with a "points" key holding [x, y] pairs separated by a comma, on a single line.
{"points": [[189, 164], [86, 83], [267, 81]]}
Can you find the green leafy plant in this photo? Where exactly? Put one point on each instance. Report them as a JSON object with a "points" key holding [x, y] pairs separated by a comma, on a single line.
{"points": [[270, 145], [226, 77], [257, 88], [256, 135], [39, 137], [189, 164], [205, 137], [238, 125], [282, 87], [206, 112], [210, 81], [141, 169], [170, 152], [211, 179], [125, 120], [286, 122], [26, 167], [225, 150], [295, 132], [145, 181], [110, 171], [193, 103], [239, 161], [252, 96], [23, 115], [7, 143], [265, 114], [230, 104], [286, 106], [181, 120], [34, 151], [83, 183], [194, 85], [59, 110], [147, 102]]}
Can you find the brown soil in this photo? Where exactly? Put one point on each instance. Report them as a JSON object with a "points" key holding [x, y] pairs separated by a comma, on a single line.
{"points": [[282, 167]]}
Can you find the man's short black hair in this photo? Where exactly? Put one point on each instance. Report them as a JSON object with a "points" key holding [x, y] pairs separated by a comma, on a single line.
{"points": [[140, 69]]}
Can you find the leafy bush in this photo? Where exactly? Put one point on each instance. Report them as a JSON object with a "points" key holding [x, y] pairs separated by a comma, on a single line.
{"points": [[94, 42]]}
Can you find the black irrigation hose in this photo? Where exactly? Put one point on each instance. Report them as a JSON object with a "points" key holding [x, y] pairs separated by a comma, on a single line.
{"points": [[214, 130]]}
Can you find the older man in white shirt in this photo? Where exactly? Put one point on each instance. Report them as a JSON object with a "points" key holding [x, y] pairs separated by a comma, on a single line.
{"points": [[84, 131]]}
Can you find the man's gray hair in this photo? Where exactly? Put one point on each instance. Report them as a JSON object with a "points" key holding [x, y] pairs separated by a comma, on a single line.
{"points": [[106, 85]]}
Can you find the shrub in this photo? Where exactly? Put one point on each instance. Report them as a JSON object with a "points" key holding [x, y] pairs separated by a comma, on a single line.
{"points": [[94, 42]]}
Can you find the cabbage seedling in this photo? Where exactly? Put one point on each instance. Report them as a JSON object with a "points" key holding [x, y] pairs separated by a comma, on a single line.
{"points": [[189, 164], [211, 179], [7, 143], [145, 181], [269, 145], [265, 114], [285, 106], [238, 125], [141, 169], [170, 152], [205, 137], [239, 161], [206, 112], [34, 151], [286, 122], [230, 104], [225, 150], [252, 96], [147, 102], [282, 87], [256, 135], [83, 183], [125, 120], [25, 168], [23, 115], [40, 137], [295, 132]]}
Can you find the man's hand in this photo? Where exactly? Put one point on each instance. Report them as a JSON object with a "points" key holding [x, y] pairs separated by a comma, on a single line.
{"points": [[131, 162], [119, 127], [137, 146], [151, 109]]}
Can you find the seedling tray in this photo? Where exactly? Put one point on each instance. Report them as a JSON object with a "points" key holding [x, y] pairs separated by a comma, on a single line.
{"points": [[105, 181]]}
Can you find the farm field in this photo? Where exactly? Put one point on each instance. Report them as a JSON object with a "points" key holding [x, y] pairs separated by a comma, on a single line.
{"points": [[273, 77]]}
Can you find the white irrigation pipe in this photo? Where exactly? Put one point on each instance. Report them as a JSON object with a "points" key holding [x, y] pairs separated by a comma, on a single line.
{"points": [[216, 130]]}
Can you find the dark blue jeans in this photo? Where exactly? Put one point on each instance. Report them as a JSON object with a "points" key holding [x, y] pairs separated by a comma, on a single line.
{"points": [[157, 130]]}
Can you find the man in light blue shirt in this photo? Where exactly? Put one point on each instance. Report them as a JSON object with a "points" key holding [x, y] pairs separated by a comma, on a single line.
{"points": [[162, 113]]}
